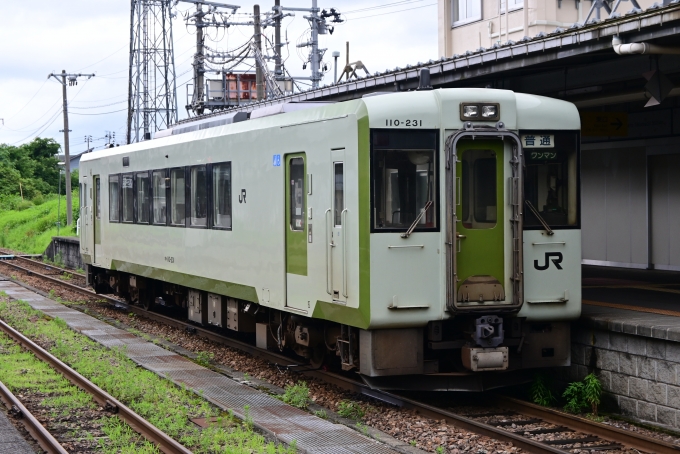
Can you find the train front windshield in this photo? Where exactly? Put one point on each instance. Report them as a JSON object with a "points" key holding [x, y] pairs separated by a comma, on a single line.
{"points": [[551, 179]]}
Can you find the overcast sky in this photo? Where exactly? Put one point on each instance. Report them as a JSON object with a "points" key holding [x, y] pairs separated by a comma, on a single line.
{"points": [[92, 36]]}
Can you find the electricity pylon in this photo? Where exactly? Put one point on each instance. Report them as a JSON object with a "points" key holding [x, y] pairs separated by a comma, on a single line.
{"points": [[152, 92]]}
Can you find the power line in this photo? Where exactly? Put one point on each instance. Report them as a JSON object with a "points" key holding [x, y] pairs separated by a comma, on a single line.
{"points": [[29, 101], [88, 66], [102, 113], [392, 12], [387, 5]]}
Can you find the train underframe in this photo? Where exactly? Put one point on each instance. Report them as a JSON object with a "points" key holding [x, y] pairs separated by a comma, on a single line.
{"points": [[470, 352]]}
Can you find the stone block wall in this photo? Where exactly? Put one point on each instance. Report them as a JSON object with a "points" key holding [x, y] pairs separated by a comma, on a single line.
{"points": [[68, 249], [640, 375]]}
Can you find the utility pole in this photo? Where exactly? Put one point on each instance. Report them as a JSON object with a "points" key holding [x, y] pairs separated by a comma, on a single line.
{"points": [[88, 139], [258, 43], [317, 23], [72, 80], [199, 70], [278, 70]]}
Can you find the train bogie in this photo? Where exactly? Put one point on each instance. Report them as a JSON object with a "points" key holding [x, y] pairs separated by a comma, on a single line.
{"points": [[396, 235]]}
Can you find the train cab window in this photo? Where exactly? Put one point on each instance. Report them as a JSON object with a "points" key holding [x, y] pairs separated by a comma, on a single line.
{"points": [[177, 197], [143, 197], [297, 194], [551, 179], [114, 198], [221, 180], [404, 180], [478, 189], [199, 197], [159, 185], [128, 194]]}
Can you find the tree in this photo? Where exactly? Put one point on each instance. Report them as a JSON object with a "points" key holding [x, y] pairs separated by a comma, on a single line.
{"points": [[30, 168]]}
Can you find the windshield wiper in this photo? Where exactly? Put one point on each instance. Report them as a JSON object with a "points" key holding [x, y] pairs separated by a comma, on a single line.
{"points": [[539, 217], [417, 220]]}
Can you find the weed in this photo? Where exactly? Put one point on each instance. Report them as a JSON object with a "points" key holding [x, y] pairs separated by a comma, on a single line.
{"points": [[297, 395], [246, 376], [80, 270], [363, 428], [351, 410], [540, 391], [583, 394], [413, 443], [321, 414], [67, 276], [204, 358], [439, 450], [52, 293], [247, 418], [58, 259]]}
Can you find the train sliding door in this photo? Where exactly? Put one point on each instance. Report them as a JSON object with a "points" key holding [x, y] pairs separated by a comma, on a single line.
{"points": [[479, 230], [335, 220], [96, 217], [296, 231]]}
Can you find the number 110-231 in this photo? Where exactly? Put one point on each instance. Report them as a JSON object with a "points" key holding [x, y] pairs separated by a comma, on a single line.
{"points": [[403, 123]]}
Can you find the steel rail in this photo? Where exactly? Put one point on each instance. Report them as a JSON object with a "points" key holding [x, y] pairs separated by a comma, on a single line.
{"points": [[68, 285], [52, 267], [608, 433], [37, 431], [139, 424]]}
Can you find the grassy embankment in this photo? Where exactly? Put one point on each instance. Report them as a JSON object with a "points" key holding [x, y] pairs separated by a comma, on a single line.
{"points": [[29, 227]]}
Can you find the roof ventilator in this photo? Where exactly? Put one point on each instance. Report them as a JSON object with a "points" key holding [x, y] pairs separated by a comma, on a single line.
{"points": [[424, 80]]}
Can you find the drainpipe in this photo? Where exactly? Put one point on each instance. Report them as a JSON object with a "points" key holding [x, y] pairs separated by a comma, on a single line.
{"points": [[641, 48]]}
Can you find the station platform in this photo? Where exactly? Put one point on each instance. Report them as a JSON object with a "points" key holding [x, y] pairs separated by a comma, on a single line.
{"points": [[11, 441], [629, 336]]}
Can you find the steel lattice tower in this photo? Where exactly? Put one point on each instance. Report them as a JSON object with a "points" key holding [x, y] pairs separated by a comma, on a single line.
{"points": [[152, 92]]}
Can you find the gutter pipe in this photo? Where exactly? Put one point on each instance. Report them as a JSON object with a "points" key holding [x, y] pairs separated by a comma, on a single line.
{"points": [[641, 48]]}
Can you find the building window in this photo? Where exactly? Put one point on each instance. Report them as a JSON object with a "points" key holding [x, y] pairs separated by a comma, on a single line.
{"points": [[513, 4], [465, 11], [221, 179], [177, 197], [199, 197], [114, 195], [128, 194], [143, 197], [159, 194]]}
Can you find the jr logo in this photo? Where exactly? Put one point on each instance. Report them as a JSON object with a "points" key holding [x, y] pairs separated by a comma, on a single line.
{"points": [[557, 260]]}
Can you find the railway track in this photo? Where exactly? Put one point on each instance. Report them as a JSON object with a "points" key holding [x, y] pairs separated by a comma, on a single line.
{"points": [[142, 426], [530, 427], [41, 435]]}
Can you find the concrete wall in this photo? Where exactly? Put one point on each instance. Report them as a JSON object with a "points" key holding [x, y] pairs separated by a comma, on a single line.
{"points": [[640, 374], [68, 249]]}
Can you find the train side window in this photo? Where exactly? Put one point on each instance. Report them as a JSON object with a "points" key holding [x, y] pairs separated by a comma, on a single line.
{"points": [[551, 180], [297, 194], [339, 193], [199, 196], [404, 180], [99, 198], [128, 194], [177, 197], [114, 195], [221, 180], [143, 197], [159, 185]]}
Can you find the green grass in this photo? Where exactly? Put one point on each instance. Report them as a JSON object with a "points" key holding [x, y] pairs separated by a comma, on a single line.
{"points": [[296, 395], [165, 405], [22, 373], [31, 229]]}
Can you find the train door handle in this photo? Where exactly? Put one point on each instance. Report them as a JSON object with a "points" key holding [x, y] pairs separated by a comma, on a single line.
{"points": [[459, 237]]}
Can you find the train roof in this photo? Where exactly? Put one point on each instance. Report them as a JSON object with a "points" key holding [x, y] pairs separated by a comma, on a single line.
{"points": [[438, 108]]}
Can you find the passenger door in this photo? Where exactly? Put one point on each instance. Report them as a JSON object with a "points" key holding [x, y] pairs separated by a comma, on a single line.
{"points": [[479, 239], [96, 218], [335, 222], [296, 231]]}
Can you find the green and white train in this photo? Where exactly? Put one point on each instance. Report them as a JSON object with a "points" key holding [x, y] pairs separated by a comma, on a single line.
{"points": [[427, 233]]}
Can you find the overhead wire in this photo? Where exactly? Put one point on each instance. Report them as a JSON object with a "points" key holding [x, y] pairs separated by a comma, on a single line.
{"points": [[392, 12], [386, 5]]}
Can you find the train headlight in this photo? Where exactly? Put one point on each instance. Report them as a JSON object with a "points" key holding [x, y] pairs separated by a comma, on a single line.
{"points": [[480, 111], [489, 111], [470, 111]]}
